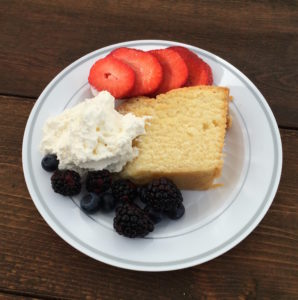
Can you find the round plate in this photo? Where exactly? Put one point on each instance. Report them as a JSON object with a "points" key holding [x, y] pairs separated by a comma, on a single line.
{"points": [[215, 220]]}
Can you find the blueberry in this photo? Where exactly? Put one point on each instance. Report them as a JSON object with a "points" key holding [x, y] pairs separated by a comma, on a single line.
{"points": [[90, 203], [176, 214], [108, 202], [155, 216], [50, 162]]}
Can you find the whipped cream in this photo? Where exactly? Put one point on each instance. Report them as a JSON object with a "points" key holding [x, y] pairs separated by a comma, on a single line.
{"points": [[94, 91], [92, 136]]}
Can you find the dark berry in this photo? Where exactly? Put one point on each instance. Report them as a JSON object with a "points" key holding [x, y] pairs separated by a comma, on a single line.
{"points": [[124, 190], [131, 221], [50, 162], [90, 203], [176, 214], [155, 216], [98, 181], [162, 195], [108, 202], [66, 182]]}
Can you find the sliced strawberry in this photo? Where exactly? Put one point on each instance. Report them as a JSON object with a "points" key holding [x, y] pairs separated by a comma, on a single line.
{"points": [[112, 75], [147, 69], [206, 77], [175, 72], [199, 72]]}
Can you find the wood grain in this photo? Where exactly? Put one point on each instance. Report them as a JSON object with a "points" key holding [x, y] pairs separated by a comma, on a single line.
{"points": [[9, 296], [35, 261], [39, 38]]}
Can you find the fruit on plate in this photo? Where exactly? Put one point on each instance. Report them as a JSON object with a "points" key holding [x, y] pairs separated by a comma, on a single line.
{"points": [[162, 195], [90, 203], [124, 190], [177, 213], [131, 221], [108, 202], [98, 181], [112, 75], [175, 71], [155, 216], [66, 182], [128, 72], [50, 162], [148, 70], [199, 72]]}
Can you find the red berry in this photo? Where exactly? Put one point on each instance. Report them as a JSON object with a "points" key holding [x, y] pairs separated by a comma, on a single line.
{"points": [[112, 75], [146, 67], [175, 71], [206, 77], [199, 72]]}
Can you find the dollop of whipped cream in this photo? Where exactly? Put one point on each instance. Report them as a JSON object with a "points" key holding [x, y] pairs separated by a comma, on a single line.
{"points": [[94, 91], [92, 136]]}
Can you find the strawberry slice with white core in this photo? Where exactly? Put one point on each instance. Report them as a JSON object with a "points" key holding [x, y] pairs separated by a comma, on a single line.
{"points": [[146, 67], [199, 72], [112, 75], [175, 71]]}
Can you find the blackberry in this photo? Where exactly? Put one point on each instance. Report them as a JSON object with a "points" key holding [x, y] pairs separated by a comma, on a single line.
{"points": [[131, 221], [162, 195], [66, 182], [124, 190], [155, 216], [98, 181]]}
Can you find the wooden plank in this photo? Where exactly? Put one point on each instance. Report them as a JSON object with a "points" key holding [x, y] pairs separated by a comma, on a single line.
{"points": [[8, 296], [34, 260], [40, 38]]}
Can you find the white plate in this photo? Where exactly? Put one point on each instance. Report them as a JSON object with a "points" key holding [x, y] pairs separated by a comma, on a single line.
{"points": [[215, 220]]}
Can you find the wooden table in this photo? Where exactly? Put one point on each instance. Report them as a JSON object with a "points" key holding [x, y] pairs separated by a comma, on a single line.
{"points": [[40, 38]]}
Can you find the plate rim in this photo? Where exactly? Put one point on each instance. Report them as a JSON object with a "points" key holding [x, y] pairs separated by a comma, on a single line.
{"points": [[122, 263]]}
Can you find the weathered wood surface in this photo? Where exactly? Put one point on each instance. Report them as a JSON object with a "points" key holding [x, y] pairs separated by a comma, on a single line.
{"points": [[34, 260], [40, 38]]}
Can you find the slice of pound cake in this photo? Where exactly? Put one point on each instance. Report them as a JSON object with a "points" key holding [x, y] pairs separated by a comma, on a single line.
{"points": [[184, 137]]}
